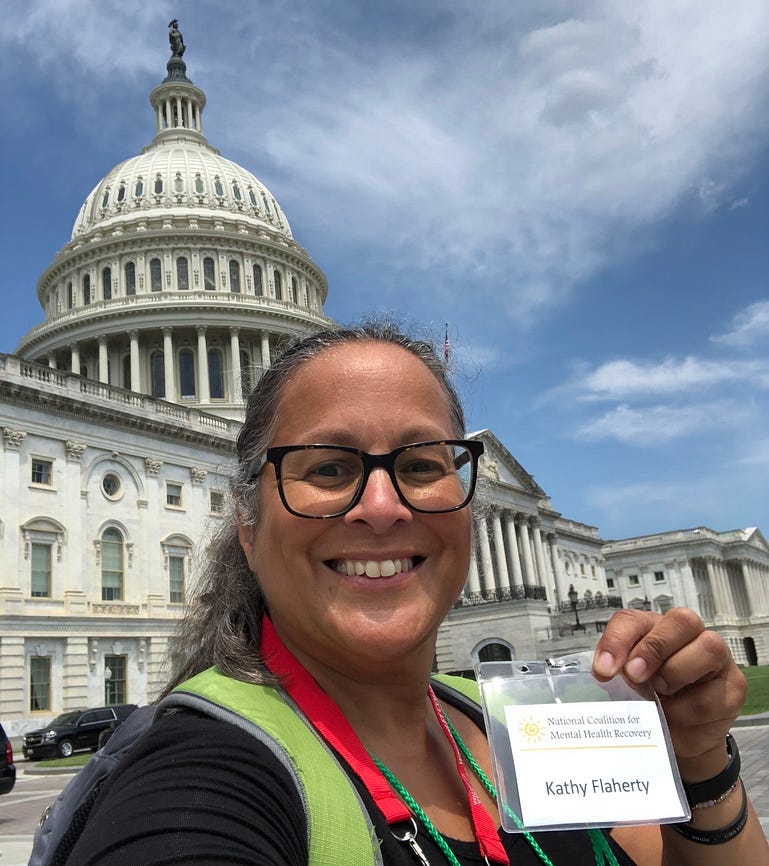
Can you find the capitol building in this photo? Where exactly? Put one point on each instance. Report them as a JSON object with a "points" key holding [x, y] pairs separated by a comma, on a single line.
{"points": [[180, 282]]}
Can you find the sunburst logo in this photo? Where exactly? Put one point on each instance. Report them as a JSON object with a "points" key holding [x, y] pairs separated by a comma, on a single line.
{"points": [[532, 729]]}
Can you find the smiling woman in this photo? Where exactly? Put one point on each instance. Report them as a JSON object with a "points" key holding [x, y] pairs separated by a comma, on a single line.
{"points": [[306, 723]]}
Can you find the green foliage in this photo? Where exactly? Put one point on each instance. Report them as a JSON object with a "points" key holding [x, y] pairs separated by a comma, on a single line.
{"points": [[72, 761], [758, 690]]}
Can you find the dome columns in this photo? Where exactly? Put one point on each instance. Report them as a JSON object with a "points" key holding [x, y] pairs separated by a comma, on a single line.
{"points": [[236, 387], [168, 364], [205, 388]]}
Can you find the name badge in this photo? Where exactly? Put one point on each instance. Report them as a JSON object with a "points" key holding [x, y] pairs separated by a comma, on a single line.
{"points": [[571, 762]]}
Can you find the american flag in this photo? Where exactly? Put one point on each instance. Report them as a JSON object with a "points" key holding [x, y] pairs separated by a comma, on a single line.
{"points": [[446, 347]]}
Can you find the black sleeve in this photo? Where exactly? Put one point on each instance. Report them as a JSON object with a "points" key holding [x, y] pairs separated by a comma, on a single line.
{"points": [[195, 790]]}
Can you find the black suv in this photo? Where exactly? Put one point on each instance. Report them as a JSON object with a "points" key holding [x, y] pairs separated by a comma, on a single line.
{"points": [[73, 731], [7, 767]]}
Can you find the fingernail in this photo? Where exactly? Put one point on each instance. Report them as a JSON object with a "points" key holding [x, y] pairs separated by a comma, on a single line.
{"points": [[604, 664], [637, 669]]}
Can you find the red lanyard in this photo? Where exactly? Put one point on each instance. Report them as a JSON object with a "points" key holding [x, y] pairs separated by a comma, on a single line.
{"points": [[331, 724]]}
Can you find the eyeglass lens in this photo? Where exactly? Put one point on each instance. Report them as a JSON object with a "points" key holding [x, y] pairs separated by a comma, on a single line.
{"points": [[324, 481]]}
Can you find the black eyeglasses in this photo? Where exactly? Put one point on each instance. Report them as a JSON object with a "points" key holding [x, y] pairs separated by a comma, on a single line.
{"points": [[320, 481]]}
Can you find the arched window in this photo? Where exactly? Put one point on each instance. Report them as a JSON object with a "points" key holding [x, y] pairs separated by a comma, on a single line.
{"points": [[106, 283], [218, 188], [246, 378], [236, 194], [182, 273], [70, 296], [121, 192], [111, 565], [158, 375], [209, 274], [215, 374], [199, 188], [186, 373], [105, 198], [127, 372], [158, 184], [294, 291], [257, 279], [87, 289], [130, 278], [139, 188], [178, 183], [234, 276], [252, 197], [278, 285], [494, 652], [156, 275]]}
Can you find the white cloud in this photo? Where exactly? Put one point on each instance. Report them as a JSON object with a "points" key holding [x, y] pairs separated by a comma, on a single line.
{"points": [[748, 327], [520, 151], [653, 425], [622, 379]]}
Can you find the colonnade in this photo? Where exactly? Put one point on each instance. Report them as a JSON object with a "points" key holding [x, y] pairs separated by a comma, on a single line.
{"points": [[739, 586], [512, 553], [139, 360]]}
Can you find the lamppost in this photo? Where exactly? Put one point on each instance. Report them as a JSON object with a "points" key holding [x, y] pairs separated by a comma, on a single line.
{"points": [[647, 603], [573, 596]]}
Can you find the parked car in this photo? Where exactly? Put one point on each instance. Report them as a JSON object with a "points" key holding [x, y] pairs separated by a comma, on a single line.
{"points": [[7, 767], [73, 731]]}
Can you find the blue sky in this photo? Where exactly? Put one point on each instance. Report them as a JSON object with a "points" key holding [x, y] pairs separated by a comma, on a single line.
{"points": [[580, 189]]}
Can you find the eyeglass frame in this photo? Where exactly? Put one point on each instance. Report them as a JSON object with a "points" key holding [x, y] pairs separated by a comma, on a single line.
{"points": [[276, 453]]}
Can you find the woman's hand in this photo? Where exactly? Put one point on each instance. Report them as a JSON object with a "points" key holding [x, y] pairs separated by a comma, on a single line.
{"points": [[700, 687]]}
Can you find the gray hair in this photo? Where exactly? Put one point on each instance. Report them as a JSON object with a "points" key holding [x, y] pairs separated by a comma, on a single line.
{"points": [[223, 625]]}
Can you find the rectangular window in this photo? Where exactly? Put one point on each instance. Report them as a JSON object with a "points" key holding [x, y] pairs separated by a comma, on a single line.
{"points": [[633, 580], [176, 579], [659, 576], [42, 472], [114, 680], [39, 683], [217, 502], [40, 554], [174, 494], [610, 583]]}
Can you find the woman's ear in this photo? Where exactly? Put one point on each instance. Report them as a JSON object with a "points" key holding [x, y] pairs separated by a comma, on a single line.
{"points": [[246, 539]]}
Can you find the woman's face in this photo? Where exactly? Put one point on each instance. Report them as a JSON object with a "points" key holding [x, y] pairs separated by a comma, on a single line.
{"points": [[375, 397]]}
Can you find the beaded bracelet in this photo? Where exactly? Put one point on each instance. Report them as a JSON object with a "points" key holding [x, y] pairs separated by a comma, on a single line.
{"points": [[708, 803], [722, 834]]}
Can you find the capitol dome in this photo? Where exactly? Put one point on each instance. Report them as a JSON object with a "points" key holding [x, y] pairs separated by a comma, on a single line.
{"points": [[181, 278]]}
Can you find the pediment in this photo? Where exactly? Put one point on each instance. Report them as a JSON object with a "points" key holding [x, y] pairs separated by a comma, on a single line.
{"points": [[755, 538], [498, 466]]}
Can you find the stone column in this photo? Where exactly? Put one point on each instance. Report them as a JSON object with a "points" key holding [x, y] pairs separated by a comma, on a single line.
{"points": [[135, 368], [265, 349], [717, 587], [103, 363], [555, 562], [487, 568], [752, 589], [730, 607], [539, 552], [512, 547], [503, 578], [168, 365], [529, 575], [236, 385], [473, 584], [75, 362], [204, 392]]}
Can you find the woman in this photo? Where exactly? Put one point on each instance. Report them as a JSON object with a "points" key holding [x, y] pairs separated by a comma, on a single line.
{"points": [[333, 582]]}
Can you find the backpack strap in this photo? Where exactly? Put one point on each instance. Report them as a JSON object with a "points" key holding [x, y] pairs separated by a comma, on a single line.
{"points": [[339, 828]]}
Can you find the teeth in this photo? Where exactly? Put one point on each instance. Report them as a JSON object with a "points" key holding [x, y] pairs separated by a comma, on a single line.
{"points": [[372, 568]]}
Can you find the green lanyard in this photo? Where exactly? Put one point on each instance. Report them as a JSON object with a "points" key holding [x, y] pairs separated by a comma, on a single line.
{"points": [[602, 853]]}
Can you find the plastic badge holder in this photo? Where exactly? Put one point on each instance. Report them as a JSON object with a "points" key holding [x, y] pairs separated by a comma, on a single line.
{"points": [[570, 752]]}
